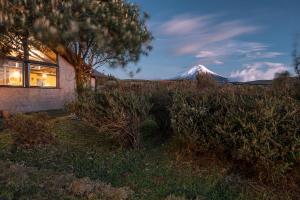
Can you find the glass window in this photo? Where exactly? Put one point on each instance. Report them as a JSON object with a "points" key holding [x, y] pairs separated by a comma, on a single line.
{"points": [[46, 56], [11, 73], [42, 76]]}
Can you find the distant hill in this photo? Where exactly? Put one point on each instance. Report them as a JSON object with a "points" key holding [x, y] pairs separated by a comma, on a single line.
{"points": [[257, 82]]}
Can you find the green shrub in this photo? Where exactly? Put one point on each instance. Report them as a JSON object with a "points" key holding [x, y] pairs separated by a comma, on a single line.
{"points": [[29, 131], [117, 113], [250, 125]]}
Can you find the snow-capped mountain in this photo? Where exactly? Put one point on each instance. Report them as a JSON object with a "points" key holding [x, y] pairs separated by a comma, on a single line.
{"points": [[192, 73]]}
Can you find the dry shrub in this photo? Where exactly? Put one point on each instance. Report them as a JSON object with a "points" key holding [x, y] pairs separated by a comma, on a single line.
{"points": [[116, 113], [30, 131], [21, 182], [248, 124], [97, 190], [206, 81], [286, 85]]}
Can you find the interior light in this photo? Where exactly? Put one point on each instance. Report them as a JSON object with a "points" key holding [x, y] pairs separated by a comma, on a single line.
{"points": [[16, 74]]}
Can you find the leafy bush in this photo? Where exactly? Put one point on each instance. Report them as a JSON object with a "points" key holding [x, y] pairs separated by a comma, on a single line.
{"points": [[29, 131], [117, 113], [250, 125]]}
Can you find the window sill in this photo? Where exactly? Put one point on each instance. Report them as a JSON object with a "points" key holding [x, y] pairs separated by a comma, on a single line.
{"points": [[33, 87]]}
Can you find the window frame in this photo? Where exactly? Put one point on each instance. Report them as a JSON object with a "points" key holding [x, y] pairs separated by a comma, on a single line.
{"points": [[26, 72]]}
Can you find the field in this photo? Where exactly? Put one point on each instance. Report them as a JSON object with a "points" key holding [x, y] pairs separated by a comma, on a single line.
{"points": [[123, 152], [152, 172]]}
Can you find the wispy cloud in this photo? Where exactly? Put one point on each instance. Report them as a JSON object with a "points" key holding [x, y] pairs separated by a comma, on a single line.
{"points": [[259, 71], [212, 40], [184, 25]]}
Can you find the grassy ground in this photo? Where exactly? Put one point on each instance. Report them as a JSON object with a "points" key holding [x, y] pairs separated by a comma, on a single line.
{"points": [[81, 152]]}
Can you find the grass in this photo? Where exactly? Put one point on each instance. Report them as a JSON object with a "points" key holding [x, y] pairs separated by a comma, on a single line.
{"points": [[152, 172]]}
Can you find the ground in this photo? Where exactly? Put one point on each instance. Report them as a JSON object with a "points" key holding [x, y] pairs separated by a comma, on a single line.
{"points": [[82, 154]]}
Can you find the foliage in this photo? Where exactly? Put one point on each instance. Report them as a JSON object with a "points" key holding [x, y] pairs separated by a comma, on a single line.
{"points": [[88, 33], [29, 131], [252, 126], [206, 81], [115, 112]]}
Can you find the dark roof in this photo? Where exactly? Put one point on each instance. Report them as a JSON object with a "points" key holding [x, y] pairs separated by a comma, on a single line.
{"points": [[96, 73]]}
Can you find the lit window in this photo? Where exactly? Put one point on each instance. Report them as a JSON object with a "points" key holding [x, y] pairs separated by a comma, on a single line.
{"points": [[41, 65], [42, 76], [11, 73], [46, 56]]}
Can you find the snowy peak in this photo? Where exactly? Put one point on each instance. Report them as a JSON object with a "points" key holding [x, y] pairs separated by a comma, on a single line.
{"points": [[192, 73], [199, 69]]}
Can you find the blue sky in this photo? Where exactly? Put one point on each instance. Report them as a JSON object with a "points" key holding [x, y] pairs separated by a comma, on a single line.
{"points": [[241, 39]]}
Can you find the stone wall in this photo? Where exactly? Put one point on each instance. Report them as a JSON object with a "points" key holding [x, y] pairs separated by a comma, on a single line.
{"points": [[39, 99]]}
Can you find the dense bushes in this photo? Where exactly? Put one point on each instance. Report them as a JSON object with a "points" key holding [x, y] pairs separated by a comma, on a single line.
{"points": [[258, 126], [117, 113], [29, 131], [161, 101], [250, 125]]}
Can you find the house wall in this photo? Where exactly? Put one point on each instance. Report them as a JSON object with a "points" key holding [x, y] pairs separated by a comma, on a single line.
{"points": [[93, 83], [39, 99]]}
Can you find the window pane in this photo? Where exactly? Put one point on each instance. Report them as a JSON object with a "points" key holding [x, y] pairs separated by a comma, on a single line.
{"points": [[42, 76], [43, 56], [11, 73]]}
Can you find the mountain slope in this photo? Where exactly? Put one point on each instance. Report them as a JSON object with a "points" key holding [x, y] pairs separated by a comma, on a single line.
{"points": [[192, 73]]}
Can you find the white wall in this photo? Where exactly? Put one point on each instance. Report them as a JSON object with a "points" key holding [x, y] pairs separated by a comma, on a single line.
{"points": [[39, 99]]}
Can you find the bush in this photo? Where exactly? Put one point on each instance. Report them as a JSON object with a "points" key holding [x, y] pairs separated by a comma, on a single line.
{"points": [[249, 125], [161, 101], [206, 81], [29, 131], [117, 113], [286, 85]]}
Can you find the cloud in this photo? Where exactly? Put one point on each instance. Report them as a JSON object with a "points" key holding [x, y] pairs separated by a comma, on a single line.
{"points": [[192, 33], [260, 55], [212, 40], [227, 49], [184, 25], [205, 54], [259, 71]]}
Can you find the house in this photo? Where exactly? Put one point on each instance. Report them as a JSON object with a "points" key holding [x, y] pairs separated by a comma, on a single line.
{"points": [[46, 81], [98, 79]]}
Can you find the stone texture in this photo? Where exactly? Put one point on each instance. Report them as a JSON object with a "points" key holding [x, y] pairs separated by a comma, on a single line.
{"points": [[39, 99]]}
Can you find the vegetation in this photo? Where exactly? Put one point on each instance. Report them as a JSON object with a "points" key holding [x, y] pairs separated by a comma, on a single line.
{"points": [[117, 113], [30, 131], [20, 182], [206, 81], [85, 157], [159, 140], [259, 130]]}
